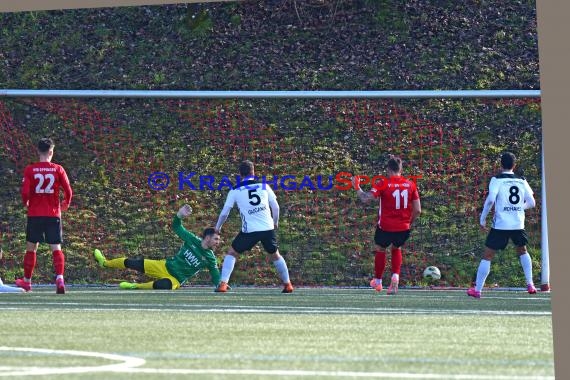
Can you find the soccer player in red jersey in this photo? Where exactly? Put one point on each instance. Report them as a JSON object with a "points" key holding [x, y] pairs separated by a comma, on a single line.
{"points": [[41, 187], [399, 207]]}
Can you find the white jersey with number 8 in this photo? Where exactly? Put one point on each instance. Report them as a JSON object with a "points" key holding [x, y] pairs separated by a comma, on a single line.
{"points": [[510, 193]]}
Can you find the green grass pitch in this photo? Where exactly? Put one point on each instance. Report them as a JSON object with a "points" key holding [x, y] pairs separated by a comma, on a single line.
{"points": [[259, 333]]}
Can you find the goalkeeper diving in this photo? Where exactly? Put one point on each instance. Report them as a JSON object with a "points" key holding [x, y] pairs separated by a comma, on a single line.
{"points": [[194, 255]]}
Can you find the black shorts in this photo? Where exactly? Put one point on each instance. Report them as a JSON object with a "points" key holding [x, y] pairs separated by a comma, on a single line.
{"points": [[246, 241], [40, 229], [498, 239], [385, 238]]}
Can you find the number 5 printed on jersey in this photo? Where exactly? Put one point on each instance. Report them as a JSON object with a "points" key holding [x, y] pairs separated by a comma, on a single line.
{"points": [[252, 195]]}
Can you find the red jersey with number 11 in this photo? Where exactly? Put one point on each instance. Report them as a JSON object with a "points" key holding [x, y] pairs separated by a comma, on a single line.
{"points": [[41, 186], [396, 195]]}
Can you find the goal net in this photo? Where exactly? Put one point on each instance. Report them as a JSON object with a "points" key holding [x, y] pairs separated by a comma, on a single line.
{"points": [[113, 149]]}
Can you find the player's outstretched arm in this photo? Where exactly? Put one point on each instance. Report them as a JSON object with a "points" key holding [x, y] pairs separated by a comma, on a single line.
{"points": [[184, 211], [362, 195], [179, 229]]}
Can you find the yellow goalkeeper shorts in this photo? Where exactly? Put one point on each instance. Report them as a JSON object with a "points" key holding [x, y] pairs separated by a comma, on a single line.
{"points": [[157, 269]]}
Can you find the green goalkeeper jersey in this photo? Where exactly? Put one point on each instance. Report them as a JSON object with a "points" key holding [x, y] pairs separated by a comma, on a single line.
{"points": [[191, 258]]}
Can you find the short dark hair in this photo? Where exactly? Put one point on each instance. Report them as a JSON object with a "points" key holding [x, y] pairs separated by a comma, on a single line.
{"points": [[209, 231], [508, 160], [394, 164], [246, 168], [45, 145]]}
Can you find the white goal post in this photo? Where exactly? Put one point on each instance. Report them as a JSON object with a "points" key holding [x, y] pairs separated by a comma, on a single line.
{"points": [[387, 94]]}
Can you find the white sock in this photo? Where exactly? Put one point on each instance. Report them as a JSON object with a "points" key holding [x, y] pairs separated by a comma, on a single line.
{"points": [[281, 267], [482, 273], [58, 277], [227, 268], [395, 277], [526, 263]]}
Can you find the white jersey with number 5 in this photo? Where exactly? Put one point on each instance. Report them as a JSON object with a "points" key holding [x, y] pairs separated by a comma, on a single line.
{"points": [[254, 202], [510, 193]]}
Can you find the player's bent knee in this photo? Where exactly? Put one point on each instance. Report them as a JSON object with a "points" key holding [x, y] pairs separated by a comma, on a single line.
{"points": [[163, 284], [136, 264]]}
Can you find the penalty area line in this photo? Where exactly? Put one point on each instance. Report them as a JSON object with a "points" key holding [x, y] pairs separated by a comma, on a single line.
{"points": [[342, 374], [241, 309], [126, 362]]}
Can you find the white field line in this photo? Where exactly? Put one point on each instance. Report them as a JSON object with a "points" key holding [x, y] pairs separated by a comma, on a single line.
{"points": [[126, 362], [263, 309], [341, 374], [129, 363]]}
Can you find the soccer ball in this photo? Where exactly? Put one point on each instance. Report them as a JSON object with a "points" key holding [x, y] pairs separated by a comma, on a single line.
{"points": [[432, 273]]}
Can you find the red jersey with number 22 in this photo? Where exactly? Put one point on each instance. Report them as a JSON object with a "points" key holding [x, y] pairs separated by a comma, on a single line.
{"points": [[396, 195], [41, 186]]}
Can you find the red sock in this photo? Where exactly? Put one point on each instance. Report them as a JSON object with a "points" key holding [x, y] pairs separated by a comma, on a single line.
{"points": [[58, 262], [29, 263], [396, 260], [379, 263]]}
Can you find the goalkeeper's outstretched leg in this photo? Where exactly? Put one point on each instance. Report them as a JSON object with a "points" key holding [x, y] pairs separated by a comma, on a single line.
{"points": [[162, 284], [154, 268]]}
